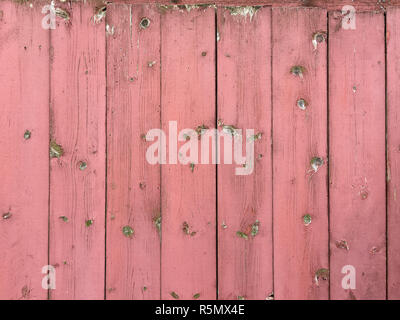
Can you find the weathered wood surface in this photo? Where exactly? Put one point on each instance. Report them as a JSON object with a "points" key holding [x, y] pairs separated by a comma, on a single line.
{"points": [[24, 153], [393, 151], [95, 85], [133, 187], [299, 139], [245, 201], [188, 261], [77, 177], [357, 156]]}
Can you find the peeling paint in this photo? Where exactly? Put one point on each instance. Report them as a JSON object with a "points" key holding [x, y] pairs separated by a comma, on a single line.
{"points": [[244, 11], [7, 215]]}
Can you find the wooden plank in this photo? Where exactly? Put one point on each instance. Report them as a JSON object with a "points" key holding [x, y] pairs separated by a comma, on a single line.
{"points": [[357, 156], [77, 177], [133, 263], [188, 195], [393, 151], [299, 138], [245, 201], [327, 4], [24, 160]]}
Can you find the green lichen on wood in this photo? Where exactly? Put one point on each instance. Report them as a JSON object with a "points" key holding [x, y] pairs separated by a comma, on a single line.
{"points": [[196, 296], [307, 219], [89, 222], [242, 235], [174, 295], [191, 166], [56, 151], [254, 228], [27, 135], [298, 71], [127, 231], [64, 218], [316, 163]]}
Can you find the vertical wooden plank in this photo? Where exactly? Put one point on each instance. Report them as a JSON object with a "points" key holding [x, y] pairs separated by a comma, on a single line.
{"points": [[77, 177], [24, 157], [188, 263], [357, 155], [393, 151], [245, 201], [133, 262], [299, 137]]}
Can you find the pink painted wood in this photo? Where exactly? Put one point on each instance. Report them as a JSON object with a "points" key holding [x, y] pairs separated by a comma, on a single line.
{"points": [[357, 155], [299, 136], [393, 151], [188, 263], [133, 262], [77, 177], [24, 157], [245, 201]]}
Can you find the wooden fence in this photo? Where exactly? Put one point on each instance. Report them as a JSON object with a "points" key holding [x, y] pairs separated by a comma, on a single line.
{"points": [[322, 195]]}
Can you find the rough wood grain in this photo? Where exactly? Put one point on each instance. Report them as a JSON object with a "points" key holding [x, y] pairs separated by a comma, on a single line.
{"points": [[393, 151], [77, 177], [327, 4], [133, 262], [188, 263], [24, 157], [357, 156], [299, 136], [245, 201]]}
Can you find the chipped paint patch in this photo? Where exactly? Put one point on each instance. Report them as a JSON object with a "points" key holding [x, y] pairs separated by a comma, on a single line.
{"points": [[321, 274], [342, 244], [64, 218], [186, 229], [185, 7], [56, 151], [298, 71], [63, 14], [157, 223], [318, 37], [144, 23], [110, 30], [7, 215], [100, 14]]}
